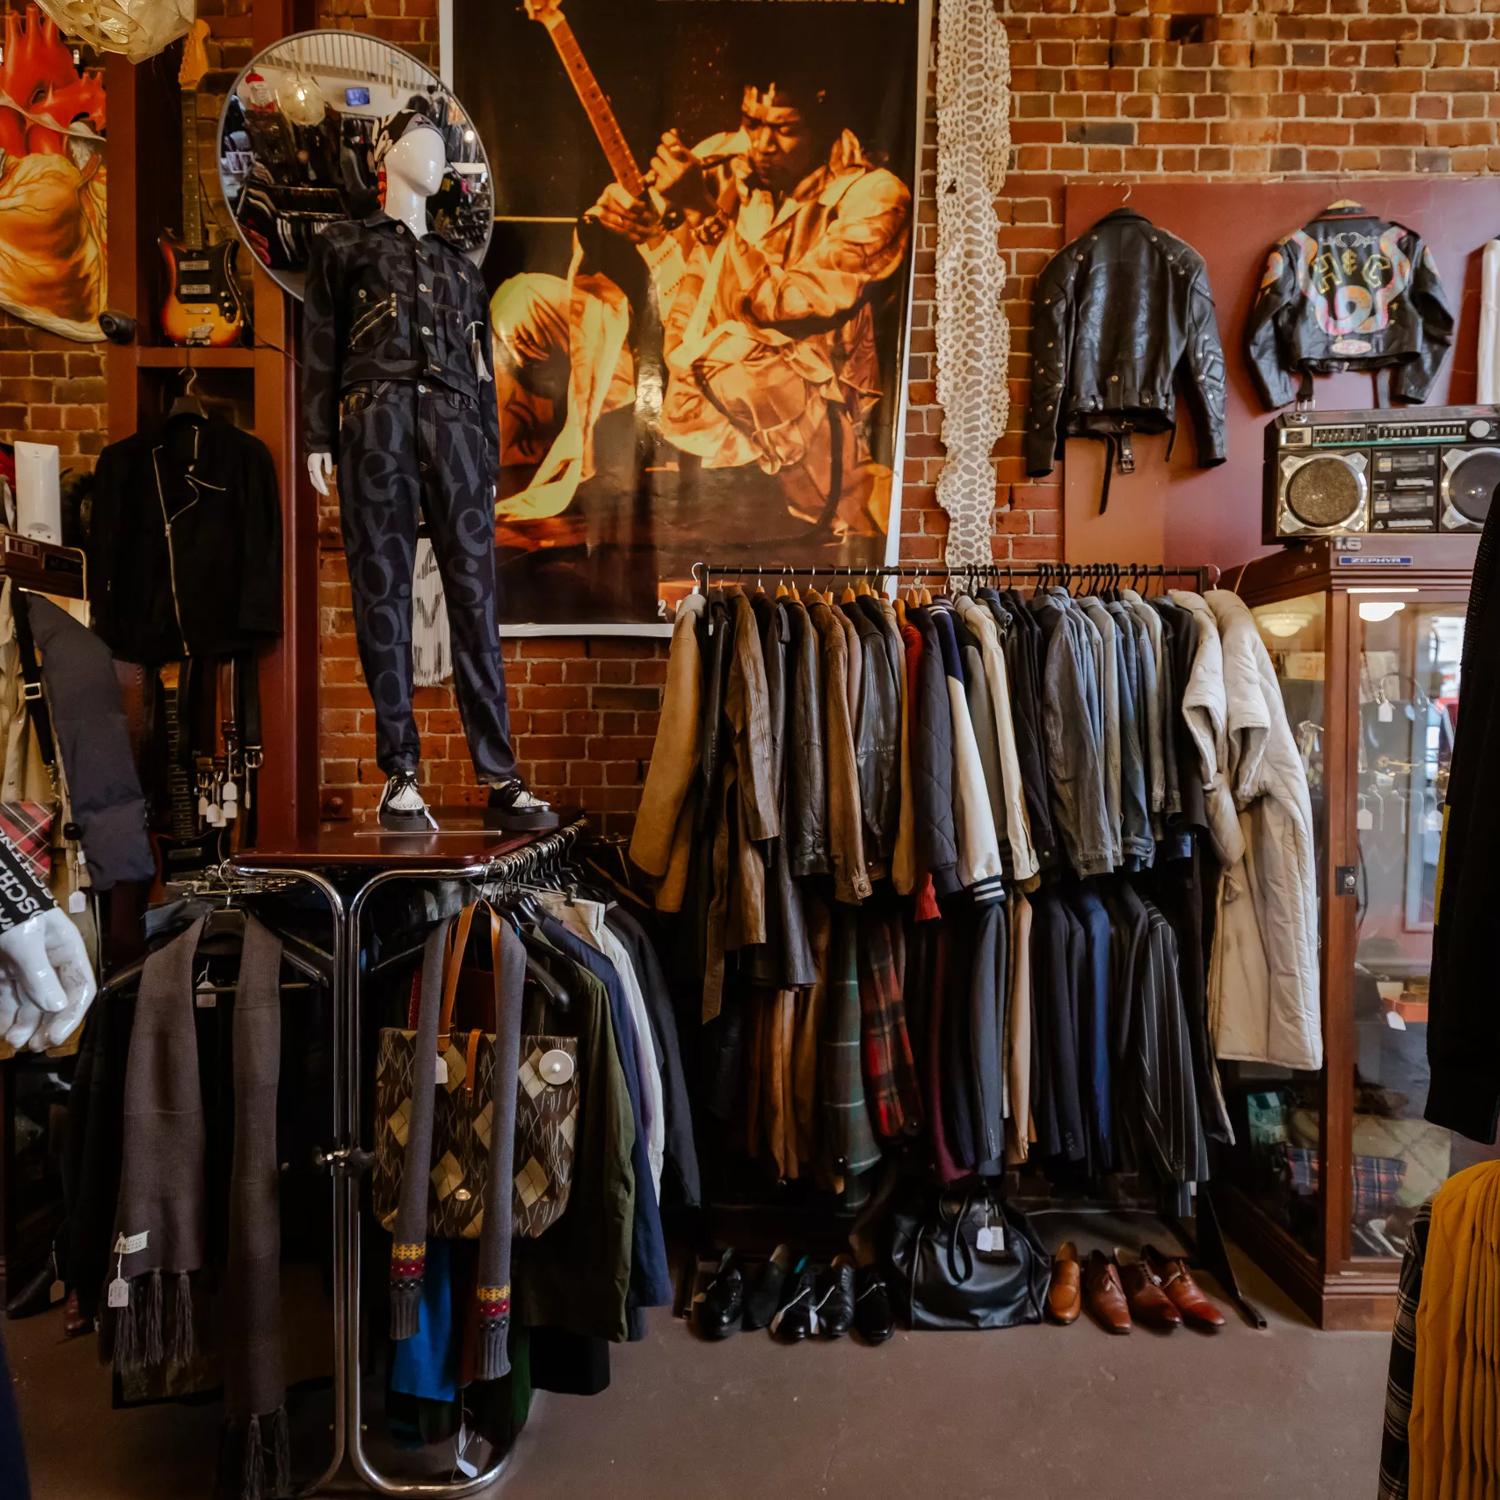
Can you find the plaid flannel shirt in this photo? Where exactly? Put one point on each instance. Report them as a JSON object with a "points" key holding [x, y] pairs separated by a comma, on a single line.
{"points": [[891, 1087], [1395, 1452]]}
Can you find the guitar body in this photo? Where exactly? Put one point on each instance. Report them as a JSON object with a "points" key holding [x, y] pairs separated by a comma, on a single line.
{"points": [[203, 305]]}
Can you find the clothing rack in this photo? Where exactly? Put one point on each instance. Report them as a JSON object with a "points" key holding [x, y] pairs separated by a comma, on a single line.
{"points": [[347, 888], [1103, 575]]}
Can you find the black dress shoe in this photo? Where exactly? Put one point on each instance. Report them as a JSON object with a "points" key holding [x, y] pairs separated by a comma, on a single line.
{"points": [[836, 1298], [721, 1304], [798, 1317], [873, 1315], [764, 1301]]}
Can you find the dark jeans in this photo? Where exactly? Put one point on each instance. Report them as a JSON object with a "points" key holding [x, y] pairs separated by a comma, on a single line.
{"points": [[407, 450]]}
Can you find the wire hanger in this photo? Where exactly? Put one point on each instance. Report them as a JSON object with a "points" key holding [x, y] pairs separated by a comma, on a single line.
{"points": [[188, 403]]}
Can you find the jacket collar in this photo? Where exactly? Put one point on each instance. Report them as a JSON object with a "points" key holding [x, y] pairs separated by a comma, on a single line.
{"points": [[1122, 212], [380, 219]]}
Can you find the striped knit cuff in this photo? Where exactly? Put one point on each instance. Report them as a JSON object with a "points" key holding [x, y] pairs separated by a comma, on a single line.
{"points": [[408, 1266], [494, 1330]]}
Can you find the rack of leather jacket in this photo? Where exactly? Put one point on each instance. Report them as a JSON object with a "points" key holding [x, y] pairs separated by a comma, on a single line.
{"points": [[184, 575], [948, 863]]}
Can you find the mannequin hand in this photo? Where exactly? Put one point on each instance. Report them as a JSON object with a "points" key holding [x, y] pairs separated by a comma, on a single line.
{"points": [[319, 468], [46, 983]]}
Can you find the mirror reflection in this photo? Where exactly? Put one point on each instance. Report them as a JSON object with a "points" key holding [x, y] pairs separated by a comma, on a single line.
{"points": [[296, 146]]}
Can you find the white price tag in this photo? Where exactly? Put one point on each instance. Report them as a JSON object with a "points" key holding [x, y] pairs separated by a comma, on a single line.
{"points": [[77, 903], [440, 1076], [135, 1242], [992, 1240], [119, 1292], [1385, 713], [1365, 820], [1394, 1021]]}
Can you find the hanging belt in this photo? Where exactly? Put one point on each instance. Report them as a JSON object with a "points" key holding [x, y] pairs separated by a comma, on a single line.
{"points": [[1117, 450]]}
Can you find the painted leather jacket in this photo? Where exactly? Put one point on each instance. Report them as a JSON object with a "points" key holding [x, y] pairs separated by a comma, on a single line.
{"points": [[1349, 291], [381, 306]]}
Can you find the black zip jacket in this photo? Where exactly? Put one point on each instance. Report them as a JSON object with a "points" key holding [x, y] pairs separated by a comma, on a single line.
{"points": [[1117, 314], [1349, 291], [184, 547], [379, 305]]}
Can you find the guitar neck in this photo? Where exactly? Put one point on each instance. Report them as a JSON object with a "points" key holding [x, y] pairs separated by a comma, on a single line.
{"points": [[596, 106], [192, 209]]}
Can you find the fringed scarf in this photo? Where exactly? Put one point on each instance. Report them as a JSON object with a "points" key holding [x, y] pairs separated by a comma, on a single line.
{"points": [[409, 1251], [159, 1255]]}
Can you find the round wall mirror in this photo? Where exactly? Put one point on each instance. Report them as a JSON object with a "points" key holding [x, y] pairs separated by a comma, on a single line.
{"points": [[296, 147]]}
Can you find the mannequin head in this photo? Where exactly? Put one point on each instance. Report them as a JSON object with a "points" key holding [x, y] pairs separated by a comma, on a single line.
{"points": [[419, 158]]}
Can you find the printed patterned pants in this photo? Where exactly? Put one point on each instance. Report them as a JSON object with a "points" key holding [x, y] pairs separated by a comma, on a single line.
{"points": [[405, 450]]}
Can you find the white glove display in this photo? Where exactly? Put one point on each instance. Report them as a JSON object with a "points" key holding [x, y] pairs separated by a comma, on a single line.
{"points": [[46, 983]]}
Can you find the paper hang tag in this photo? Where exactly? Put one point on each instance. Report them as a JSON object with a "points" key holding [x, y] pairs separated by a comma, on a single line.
{"points": [[991, 1240], [206, 999], [1365, 820], [129, 1246], [77, 903], [441, 1071], [56, 1292], [119, 1292], [465, 1466], [1385, 713]]}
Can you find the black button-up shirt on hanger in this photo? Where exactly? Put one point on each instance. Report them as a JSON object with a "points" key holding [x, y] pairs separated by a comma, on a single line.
{"points": [[381, 304]]}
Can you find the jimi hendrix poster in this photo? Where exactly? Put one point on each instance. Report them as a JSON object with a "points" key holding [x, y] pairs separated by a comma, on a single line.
{"points": [[699, 280]]}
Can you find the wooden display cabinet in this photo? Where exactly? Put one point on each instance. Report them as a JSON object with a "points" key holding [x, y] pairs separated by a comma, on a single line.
{"points": [[1366, 635]]}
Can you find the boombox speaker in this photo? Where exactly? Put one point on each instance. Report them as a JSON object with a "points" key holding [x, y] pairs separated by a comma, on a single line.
{"points": [[1351, 473]]}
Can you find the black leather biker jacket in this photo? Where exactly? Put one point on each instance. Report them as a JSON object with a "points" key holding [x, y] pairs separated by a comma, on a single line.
{"points": [[1117, 315], [1349, 291]]}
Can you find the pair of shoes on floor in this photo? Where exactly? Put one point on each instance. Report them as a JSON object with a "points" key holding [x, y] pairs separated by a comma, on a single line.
{"points": [[795, 1300], [511, 808], [1126, 1288]]}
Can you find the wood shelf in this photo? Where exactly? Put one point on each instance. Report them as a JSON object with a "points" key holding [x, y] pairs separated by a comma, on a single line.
{"points": [[180, 357]]}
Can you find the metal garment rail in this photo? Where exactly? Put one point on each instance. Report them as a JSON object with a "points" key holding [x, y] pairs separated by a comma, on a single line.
{"points": [[346, 1159], [1097, 575]]}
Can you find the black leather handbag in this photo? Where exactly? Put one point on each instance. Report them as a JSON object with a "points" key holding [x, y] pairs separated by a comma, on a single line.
{"points": [[969, 1262]]}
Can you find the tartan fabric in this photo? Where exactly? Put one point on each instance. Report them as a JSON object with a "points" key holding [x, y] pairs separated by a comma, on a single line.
{"points": [[847, 1135], [1377, 1180], [28, 825], [891, 1088], [1377, 1184], [1395, 1450]]}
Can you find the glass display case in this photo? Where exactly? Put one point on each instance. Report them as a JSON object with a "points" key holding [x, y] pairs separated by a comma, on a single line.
{"points": [[1328, 1168]]}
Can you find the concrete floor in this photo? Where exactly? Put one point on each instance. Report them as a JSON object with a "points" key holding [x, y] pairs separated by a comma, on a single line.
{"points": [[1044, 1413]]}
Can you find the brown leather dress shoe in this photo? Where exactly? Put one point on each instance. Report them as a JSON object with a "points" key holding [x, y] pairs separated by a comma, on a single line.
{"points": [[1149, 1303], [1103, 1294], [1064, 1299], [1187, 1296]]}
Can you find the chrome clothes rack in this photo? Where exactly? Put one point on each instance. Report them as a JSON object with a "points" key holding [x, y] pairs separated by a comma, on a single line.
{"points": [[344, 1156], [1091, 575]]}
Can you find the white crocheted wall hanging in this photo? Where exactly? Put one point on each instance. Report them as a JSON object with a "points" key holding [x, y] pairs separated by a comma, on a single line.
{"points": [[973, 336]]}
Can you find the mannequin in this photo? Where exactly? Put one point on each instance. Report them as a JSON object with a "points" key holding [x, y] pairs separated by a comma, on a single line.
{"points": [[398, 392], [414, 169]]}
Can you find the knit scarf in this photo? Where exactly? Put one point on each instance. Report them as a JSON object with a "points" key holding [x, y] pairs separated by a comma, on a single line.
{"points": [[1456, 1389], [159, 1227], [409, 1250]]}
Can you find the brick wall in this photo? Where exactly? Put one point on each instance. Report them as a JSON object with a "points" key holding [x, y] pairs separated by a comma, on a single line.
{"points": [[1115, 89]]}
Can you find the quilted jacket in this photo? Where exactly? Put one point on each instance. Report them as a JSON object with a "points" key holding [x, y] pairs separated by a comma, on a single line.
{"points": [[1349, 291]]}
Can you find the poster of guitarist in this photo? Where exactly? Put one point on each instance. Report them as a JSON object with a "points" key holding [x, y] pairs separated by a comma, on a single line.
{"points": [[708, 363]]}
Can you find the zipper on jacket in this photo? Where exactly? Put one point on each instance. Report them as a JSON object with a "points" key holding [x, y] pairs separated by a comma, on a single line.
{"points": [[166, 524], [385, 308]]}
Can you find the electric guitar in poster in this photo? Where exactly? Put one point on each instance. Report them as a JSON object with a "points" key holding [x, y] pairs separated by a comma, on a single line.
{"points": [[203, 305]]}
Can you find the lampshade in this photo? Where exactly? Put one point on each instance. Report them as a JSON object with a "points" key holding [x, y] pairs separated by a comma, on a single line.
{"points": [[137, 28]]}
